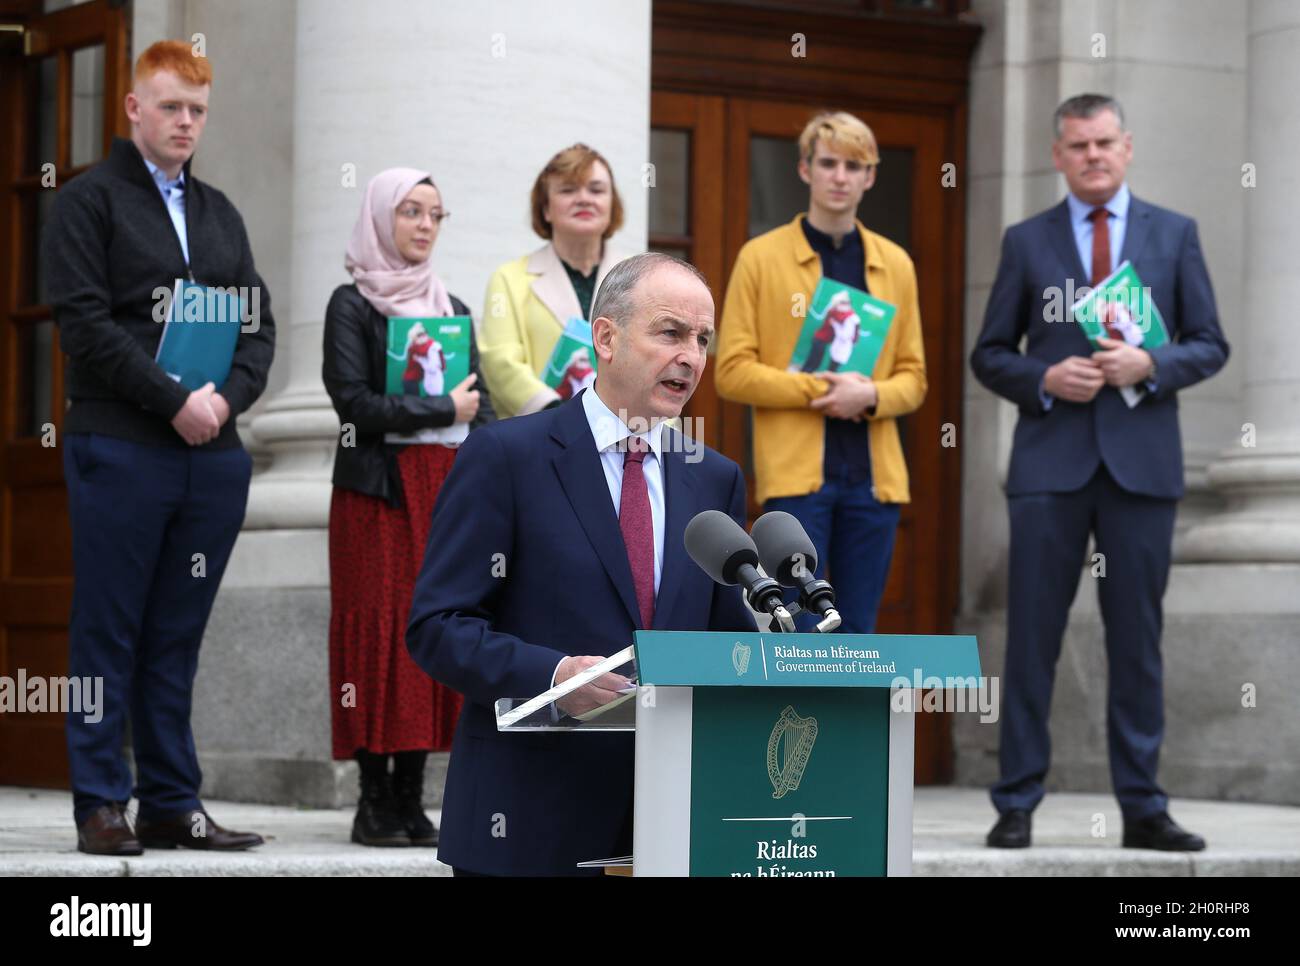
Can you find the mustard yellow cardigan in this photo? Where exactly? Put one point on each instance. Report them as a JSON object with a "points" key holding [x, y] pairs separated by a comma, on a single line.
{"points": [[774, 278]]}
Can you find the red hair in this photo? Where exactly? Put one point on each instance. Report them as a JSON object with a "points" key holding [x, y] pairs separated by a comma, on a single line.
{"points": [[179, 58]]}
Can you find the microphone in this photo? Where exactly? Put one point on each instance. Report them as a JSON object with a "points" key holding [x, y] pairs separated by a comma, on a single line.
{"points": [[725, 552], [788, 554]]}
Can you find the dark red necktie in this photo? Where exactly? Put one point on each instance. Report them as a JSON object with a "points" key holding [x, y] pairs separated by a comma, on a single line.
{"points": [[638, 528], [1100, 219]]}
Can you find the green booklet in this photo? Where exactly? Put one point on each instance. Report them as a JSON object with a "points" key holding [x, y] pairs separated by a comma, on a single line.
{"points": [[572, 365], [844, 331], [1120, 307], [427, 357]]}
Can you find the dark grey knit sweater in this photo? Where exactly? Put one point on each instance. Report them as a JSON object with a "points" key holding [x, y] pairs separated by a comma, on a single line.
{"points": [[108, 247]]}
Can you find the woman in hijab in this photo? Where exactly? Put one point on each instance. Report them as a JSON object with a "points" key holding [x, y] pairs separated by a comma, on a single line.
{"points": [[395, 449]]}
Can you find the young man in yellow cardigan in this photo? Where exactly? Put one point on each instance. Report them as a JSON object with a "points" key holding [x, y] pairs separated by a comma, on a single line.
{"points": [[826, 446]]}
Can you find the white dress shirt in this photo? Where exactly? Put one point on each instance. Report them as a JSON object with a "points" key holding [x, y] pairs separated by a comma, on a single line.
{"points": [[609, 431]]}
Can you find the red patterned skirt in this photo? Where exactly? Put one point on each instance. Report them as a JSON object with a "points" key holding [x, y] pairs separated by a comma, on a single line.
{"points": [[380, 699]]}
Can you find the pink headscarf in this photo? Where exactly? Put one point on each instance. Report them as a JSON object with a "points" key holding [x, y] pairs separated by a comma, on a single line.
{"points": [[389, 282]]}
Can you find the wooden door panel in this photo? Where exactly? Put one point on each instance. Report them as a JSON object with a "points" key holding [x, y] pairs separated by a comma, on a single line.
{"points": [[45, 128], [32, 742], [917, 597]]}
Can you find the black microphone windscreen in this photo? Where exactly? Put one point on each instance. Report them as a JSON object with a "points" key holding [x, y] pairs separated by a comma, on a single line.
{"points": [[719, 545], [779, 537]]}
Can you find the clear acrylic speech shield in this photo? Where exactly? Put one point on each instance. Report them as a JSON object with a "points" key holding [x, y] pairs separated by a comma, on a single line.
{"points": [[539, 713]]}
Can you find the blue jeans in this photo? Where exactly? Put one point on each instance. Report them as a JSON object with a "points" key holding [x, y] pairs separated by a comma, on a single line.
{"points": [[853, 533]]}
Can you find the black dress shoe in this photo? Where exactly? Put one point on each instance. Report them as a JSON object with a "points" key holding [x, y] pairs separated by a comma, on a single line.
{"points": [[1161, 832], [194, 829], [107, 831], [1011, 831]]}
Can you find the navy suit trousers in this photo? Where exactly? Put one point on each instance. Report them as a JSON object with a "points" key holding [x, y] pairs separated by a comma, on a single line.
{"points": [[1049, 540], [140, 514]]}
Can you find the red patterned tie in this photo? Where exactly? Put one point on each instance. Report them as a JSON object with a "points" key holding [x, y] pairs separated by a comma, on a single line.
{"points": [[1100, 218], [638, 528]]}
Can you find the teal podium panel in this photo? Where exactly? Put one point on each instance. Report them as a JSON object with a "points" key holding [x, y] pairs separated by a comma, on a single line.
{"points": [[779, 755], [789, 782], [712, 659]]}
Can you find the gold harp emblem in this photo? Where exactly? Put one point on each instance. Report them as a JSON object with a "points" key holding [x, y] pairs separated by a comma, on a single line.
{"points": [[740, 658], [788, 748]]}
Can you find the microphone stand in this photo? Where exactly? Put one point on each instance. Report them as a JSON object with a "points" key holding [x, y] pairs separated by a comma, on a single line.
{"points": [[785, 618]]}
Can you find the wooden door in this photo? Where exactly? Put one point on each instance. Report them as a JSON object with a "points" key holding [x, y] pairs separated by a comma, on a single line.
{"points": [[63, 77], [724, 149]]}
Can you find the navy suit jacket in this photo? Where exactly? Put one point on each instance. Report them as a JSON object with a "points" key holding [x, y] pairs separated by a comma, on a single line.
{"points": [[531, 489], [1059, 450]]}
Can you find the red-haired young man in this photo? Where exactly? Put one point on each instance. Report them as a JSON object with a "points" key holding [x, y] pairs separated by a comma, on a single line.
{"points": [[157, 477]]}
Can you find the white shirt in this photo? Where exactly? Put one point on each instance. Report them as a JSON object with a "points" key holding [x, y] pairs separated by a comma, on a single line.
{"points": [[609, 431]]}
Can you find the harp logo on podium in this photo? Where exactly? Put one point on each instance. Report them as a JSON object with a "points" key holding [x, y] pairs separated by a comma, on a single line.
{"points": [[788, 748], [740, 658]]}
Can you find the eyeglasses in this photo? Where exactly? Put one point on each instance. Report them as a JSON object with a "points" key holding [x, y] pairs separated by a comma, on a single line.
{"points": [[416, 214]]}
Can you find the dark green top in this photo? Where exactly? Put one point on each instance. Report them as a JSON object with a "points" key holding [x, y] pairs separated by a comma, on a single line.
{"points": [[584, 286]]}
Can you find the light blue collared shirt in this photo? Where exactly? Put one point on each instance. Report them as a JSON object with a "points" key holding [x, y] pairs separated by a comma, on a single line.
{"points": [[173, 194], [1117, 210], [1081, 225]]}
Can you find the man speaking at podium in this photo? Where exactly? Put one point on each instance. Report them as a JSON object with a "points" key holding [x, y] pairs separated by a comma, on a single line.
{"points": [[555, 537]]}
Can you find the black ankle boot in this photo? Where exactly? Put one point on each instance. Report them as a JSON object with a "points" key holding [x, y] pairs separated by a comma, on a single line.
{"points": [[408, 789], [377, 821]]}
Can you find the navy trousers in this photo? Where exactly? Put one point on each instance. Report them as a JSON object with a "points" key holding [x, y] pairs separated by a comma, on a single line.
{"points": [[1049, 540], [141, 598], [853, 532]]}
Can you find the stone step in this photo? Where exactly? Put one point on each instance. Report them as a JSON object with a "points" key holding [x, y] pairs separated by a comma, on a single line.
{"points": [[37, 839]]}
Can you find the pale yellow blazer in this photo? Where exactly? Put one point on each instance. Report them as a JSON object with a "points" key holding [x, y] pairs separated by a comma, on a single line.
{"points": [[527, 303]]}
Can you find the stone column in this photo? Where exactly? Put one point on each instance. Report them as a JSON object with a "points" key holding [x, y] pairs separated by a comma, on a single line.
{"points": [[1260, 476], [476, 95]]}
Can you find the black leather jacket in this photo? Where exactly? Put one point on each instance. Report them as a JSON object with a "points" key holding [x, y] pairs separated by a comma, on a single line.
{"points": [[353, 370]]}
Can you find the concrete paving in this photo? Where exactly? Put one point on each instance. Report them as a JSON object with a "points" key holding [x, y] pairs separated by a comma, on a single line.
{"points": [[1074, 835]]}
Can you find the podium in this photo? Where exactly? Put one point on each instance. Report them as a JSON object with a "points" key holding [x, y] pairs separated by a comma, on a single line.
{"points": [[769, 754]]}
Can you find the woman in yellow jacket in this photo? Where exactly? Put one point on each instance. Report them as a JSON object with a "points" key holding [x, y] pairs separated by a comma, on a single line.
{"points": [[576, 208]]}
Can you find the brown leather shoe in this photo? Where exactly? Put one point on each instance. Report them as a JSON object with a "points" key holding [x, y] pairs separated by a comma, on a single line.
{"points": [[194, 829], [108, 832]]}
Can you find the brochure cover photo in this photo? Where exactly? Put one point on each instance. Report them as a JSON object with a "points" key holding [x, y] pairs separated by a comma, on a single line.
{"points": [[572, 365], [844, 331], [1121, 308], [427, 357]]}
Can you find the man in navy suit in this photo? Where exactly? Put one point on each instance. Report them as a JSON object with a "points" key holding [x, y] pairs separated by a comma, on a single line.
{"points": [[555, 537], [1084, 463]]}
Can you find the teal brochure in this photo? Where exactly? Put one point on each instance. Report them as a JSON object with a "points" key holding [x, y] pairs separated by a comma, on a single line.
{"points": [[198, 340]]}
